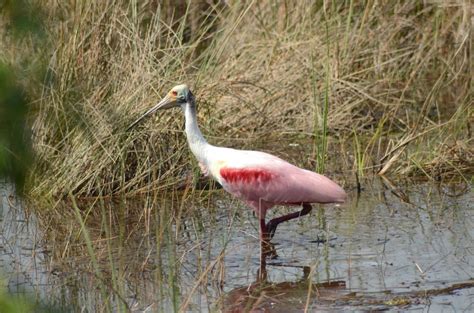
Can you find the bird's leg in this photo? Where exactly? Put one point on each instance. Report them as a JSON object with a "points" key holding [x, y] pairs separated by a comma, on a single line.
{"points": [[264, 234], [271, 226], [267, 249]]}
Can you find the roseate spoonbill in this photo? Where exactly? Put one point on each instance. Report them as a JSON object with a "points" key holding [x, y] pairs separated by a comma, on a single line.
{"points": [[259, 179]]}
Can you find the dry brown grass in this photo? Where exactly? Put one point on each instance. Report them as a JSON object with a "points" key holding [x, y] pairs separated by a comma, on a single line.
{"points": [[259, 70]]}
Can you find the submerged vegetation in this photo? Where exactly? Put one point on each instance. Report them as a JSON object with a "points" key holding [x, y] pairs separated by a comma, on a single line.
{"points": [[391, 80]]}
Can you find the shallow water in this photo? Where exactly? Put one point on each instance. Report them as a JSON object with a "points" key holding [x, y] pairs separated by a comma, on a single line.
{"points": [[386, 249]]}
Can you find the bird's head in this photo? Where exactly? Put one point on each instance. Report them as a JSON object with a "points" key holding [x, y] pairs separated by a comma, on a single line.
{"points": [[178, 96]]}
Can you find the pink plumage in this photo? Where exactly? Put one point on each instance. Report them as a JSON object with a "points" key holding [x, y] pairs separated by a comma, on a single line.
{"points": [[263, 180]]}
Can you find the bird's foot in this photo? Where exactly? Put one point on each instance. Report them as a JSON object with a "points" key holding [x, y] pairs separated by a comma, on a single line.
{"points": [[268, 250]]}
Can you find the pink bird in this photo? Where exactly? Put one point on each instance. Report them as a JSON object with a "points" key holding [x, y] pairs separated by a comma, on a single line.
{"points": [[259, 179]]}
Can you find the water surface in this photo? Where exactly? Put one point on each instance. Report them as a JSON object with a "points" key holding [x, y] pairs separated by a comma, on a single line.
{"points": [[409, 247]]}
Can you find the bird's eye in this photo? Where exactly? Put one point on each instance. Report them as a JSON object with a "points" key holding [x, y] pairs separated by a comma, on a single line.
{"points": [[174, 93]]}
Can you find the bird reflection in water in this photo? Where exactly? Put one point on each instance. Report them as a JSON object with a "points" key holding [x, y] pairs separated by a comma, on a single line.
{"points": [[265, 296]]}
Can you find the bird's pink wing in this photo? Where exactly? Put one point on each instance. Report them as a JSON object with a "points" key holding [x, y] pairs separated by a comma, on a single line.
{"points": [[264, 177]]}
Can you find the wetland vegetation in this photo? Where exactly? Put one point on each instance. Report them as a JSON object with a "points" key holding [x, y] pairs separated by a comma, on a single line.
{"points": [[377, 96]]}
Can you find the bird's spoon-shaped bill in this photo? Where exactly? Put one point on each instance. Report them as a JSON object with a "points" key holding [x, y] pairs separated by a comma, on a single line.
{"points": [[166, 103]]}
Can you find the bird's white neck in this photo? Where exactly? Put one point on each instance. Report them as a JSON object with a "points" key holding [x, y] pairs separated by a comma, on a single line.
{"points": [[196, 141]]}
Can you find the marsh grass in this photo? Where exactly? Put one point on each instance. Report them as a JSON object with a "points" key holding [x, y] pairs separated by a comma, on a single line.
{"points": [[317, 71], [119, 243]]}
